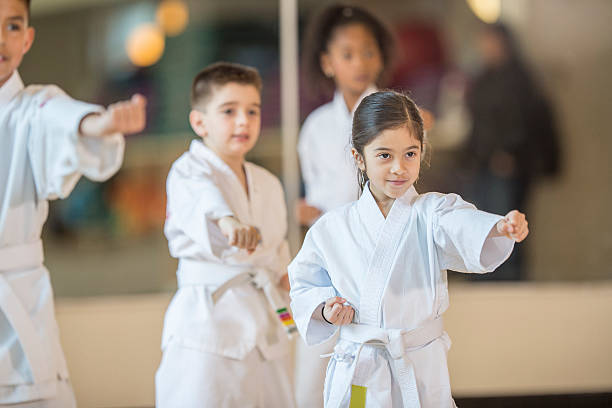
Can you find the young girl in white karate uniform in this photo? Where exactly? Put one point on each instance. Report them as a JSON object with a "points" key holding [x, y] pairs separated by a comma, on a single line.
{"points": [[347, 50], [375, 269]]}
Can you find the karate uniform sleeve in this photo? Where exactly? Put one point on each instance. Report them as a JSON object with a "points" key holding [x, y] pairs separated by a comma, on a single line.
{"points": [[463, 237], [310, 286], [58, 154], [194, 205]]}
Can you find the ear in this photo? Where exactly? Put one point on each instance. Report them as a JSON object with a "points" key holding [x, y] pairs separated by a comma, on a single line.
{"points": [[29, 39], [358, 159], [326, 65], [197, 122]]}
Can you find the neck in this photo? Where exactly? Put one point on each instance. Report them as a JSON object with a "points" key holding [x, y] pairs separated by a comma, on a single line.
{"points": [[235, 163], [350, 98], [5, 79], [383, 201]]}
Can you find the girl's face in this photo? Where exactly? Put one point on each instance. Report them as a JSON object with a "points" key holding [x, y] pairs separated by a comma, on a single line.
{"points": [[392, 162], [353, 59]]}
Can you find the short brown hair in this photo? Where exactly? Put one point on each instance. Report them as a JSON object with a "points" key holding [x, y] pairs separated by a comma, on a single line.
{"points": [[219, 74]]}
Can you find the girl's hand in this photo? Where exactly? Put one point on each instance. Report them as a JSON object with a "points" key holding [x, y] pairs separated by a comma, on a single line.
{"points": [[121, 117], [240, 235], [514, 226], [336, 313], [306, 214]]}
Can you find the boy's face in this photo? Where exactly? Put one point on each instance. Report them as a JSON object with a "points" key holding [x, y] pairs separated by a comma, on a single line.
{"points": [[230, 122], [16, 36]]}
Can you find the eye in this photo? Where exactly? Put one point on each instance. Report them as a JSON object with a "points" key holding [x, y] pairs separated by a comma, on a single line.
{"points": [[347, 55], [228, 111], [384, 156], [411, 155], [253, 112], [14, 27]]}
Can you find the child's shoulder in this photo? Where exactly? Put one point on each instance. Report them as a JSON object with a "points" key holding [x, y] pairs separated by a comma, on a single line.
{"points": [[192, 163], [434, 201], [323, 113], [38, 93], [336, 217]]}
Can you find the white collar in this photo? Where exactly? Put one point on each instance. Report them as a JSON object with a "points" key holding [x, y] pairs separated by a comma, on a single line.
{"points": [[10, 88], [370, 210]]}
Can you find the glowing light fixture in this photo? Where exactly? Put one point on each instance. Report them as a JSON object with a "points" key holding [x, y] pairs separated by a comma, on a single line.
{"points": [[486, 10], [145, 45], [172, 16]]}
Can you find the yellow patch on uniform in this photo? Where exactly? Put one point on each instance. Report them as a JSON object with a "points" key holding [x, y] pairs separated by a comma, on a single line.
{"points": [[358, 396]]}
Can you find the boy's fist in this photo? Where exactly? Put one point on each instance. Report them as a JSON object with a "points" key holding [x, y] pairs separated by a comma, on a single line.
{"points": [[238, 234], [121, 117], [514, 226], [127, 116]]}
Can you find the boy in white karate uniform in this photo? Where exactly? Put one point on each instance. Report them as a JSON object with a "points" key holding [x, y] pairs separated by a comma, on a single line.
{"points": [[375, 269], [223, 344], [48, 140]]}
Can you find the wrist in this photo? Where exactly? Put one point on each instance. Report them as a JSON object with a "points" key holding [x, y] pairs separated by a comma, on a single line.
{"points": [[323, 315]]}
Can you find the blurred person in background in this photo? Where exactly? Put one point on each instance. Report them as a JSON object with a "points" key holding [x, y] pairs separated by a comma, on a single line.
{"points": [[513, 140]]}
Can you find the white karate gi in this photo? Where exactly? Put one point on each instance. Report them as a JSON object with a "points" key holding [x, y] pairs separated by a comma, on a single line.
{"points": [[42, 157], [393, 272], [330, 179], [235, 352]]}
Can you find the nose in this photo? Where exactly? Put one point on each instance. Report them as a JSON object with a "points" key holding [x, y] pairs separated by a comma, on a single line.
{"points": [[397, 167], [360, 60], [241, 118]]}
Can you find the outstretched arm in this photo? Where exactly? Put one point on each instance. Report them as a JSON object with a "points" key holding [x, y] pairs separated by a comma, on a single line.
{"points": [[121, 117]]}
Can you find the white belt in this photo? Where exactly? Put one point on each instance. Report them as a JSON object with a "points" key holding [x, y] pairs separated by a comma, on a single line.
{"points": [[22, 257], [205, 273], [396, 342], [224, 277]]}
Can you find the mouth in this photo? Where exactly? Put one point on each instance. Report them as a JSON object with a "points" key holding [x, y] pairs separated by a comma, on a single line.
{"points": [[397, 183], [3, 58], [362, 78], [242, 137]]}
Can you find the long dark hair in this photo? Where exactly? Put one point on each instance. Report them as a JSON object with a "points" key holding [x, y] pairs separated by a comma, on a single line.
{"points": [[381, 111], [321, 29]]}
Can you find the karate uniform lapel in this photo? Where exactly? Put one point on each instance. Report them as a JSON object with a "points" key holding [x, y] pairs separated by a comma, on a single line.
{"points": [[10, 88], [383, 257], [239, 200]]}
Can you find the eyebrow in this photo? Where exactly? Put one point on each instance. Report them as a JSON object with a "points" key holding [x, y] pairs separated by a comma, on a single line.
{"points": [[230, 103], [386, 148]]}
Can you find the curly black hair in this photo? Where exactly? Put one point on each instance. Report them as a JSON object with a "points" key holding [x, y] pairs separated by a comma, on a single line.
{"points": [[319, 32]]}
